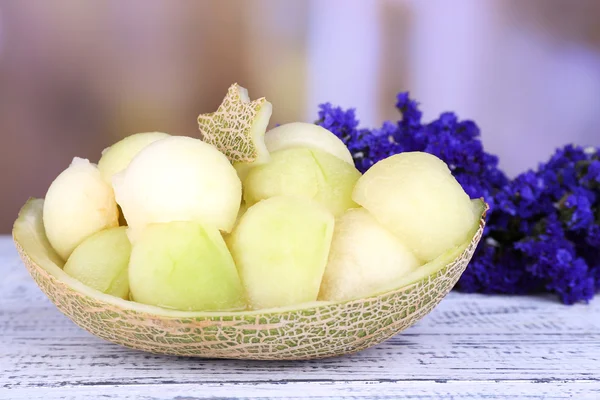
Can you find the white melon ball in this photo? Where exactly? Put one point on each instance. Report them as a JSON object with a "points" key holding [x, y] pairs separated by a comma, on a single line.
{"points": [[178, 179], [302, 134], [415, 196], [118, 156], [78, 204], [364, 259]]}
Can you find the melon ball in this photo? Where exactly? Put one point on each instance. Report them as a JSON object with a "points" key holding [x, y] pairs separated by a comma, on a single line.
{"points": [[241, 212], [118, 156], [178, 179], [364, 258], [302, 134], [309, 173], [243, 168], [184, 265], [78, 204], [415, 196], [101, 260], [280, 247], [450, 255]]}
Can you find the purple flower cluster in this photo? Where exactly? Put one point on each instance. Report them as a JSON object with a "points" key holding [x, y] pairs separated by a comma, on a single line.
{"points": [[543, 228]]}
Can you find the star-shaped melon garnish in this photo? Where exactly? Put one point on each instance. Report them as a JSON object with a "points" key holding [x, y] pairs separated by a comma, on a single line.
{"points": [[238, 127]]}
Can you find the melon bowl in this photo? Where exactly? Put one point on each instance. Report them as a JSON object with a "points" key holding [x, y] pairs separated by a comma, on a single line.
{"points": [[307, 331]]}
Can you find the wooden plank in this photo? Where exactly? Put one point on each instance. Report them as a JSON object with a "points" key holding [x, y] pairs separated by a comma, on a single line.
{"points": [[421, 390], [55, 362]]}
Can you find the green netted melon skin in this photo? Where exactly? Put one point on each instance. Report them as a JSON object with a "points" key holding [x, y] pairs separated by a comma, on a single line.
{"points": [[238, 126], [319, 331]]}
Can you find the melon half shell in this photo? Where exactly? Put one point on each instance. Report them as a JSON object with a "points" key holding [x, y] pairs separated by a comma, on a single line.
{"points": [[307, 331]]}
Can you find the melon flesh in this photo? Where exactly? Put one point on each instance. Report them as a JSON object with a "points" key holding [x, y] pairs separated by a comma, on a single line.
{"points": [[78, 204], [243, 168], [280, 247], [415, 196], [118, 156], [184, 266], [178, 179], [478, 208], [101, 260], [309, 173], [302, 134], [364, 258], [241, 212]]}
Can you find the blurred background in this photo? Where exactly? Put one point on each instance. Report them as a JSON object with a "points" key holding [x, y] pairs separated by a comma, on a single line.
{"points": [[76, 76]]}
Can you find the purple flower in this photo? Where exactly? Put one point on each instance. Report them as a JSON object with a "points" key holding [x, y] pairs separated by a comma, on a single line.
{"points": [[411, 115], [579, 206], [593, 236], [593, 172]]}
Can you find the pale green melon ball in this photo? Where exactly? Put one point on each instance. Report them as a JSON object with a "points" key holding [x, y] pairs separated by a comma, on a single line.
{"points": [[118, 156], [184, 266], [78, 204], [302, 134], [309, 173], [280, 247], [101, 260], [447, 257], [178, 179], [415, 196], [364, 259]]}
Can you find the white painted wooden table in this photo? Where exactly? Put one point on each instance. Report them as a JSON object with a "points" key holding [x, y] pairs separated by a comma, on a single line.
{"points": [[471, 346]]}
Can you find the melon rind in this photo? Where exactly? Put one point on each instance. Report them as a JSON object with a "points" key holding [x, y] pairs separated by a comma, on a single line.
{"points": [[238, 126], [309, 331]]}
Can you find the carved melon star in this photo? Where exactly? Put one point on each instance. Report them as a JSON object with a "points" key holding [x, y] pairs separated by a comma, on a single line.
{"points": [[238, 126]]}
